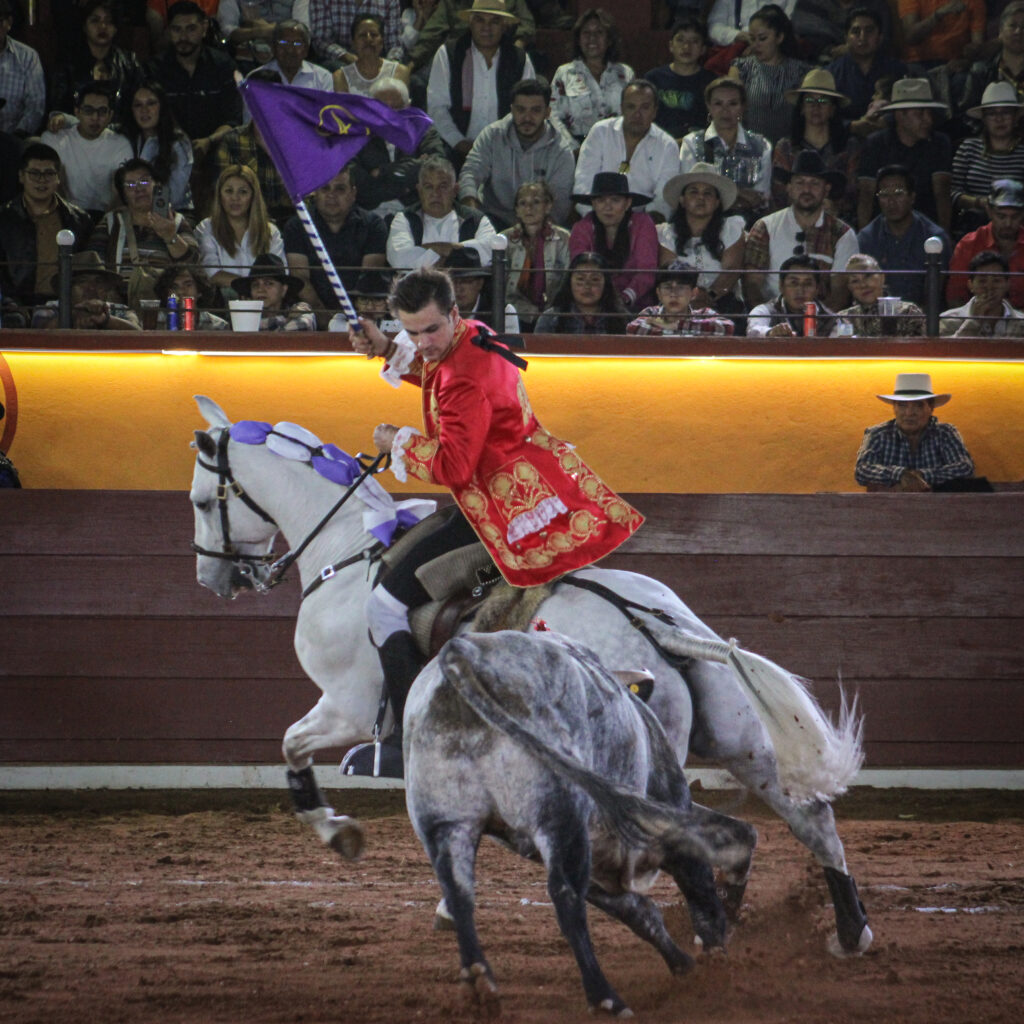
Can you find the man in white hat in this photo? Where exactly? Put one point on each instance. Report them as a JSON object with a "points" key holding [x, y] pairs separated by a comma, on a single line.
{"points": [[912, 451], [910, 140], [447, 23], [1007, 65]]}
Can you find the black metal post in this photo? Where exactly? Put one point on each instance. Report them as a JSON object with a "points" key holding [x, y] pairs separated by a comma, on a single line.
{"points": [[932, 284], [499, 281], [65, 247]]}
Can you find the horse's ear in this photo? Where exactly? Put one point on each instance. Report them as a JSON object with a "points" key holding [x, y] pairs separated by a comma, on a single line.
{"points": [[206, 444], [212, 412]]}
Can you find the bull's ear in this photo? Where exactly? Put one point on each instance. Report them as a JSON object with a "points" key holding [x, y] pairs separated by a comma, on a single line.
{"points": [[206, 444], [212, 412]]}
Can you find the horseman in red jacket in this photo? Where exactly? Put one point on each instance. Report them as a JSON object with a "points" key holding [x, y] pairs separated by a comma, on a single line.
{"points": [[537, 507]]}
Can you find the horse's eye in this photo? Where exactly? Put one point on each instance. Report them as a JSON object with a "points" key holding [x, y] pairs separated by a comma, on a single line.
{"points": [[202, 506]]}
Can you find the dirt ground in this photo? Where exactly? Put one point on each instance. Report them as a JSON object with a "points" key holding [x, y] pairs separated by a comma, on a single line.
{"points": [[147, 908]]}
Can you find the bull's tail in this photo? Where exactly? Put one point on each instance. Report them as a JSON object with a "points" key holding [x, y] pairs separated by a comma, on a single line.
{"points": [[817, 759], [638, 820]]}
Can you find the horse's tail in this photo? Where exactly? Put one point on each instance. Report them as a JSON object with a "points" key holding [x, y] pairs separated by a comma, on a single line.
{"points": [[638, 820], [817, 759]]}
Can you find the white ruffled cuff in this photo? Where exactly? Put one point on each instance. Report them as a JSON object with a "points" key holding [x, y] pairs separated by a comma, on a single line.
{"points": [[399, 363], [536, 519], [398, 452]]}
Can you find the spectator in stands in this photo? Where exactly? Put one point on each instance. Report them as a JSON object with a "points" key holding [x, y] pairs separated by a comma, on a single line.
{"points": [[1004, 234], [448, 23], [817, 125], [370, 66], [269, 280], [910, 140], [99, 59], [538, 252], [858, 71], [522, 146], [896, 237], [1007, 65], [251, 26], [676, 314], [370, 298], [331, 23], [586, 302], [804, 228], [354, 239], [471, 78], [728, 22], [998, 152], [785, 315], [158, 17], [22, 84], [680, 84], [474, 289], [912, 451], [290, 46], [28, 228], [626, 238], [987, 314], [428, 230], [634, 145], [8, 474], [97, 299], [137, 240], [769, 68], [703, 234], [940, 31], [200, 81], [414, 20], [590, 86], [821, 25], [89, 151], [189, 282], [745, 158], [866, 316], [386, 176], [238, 227]]}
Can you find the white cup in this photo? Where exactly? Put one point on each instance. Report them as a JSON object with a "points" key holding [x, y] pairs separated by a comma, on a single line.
{"points": [[887, 305], [245, 314]]}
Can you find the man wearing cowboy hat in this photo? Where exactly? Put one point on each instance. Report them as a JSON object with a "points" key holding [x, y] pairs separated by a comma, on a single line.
{"points": [[910, 140], [1004, 234], [448, 22], [471, 78], [269, 281], [1007, 65], [804, 228], [912, 451], [97, 298], [632, 144]]}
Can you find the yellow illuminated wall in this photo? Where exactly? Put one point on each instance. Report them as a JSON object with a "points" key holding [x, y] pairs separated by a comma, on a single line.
{"points": [[659, 425]]}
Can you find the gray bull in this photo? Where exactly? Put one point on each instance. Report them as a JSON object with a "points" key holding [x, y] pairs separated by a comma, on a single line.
{"points": [[528, 739]]}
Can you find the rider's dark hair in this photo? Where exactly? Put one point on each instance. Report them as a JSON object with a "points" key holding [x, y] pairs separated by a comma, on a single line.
{"points": [[420, 287]]}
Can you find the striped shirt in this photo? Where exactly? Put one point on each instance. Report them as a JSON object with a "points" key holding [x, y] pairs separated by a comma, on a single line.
{"points": [[975, 168]]}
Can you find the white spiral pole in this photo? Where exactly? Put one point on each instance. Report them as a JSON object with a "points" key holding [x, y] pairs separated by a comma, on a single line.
{"points": [[328, 266]]}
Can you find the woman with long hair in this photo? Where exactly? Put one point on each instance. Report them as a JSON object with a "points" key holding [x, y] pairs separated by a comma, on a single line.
{"points": [[818, 125], [625, 237], [590, 86], [742, 156], [370, 63], [538, 252], [586, 302], [238, 228], [156, 137], [769, 68]]}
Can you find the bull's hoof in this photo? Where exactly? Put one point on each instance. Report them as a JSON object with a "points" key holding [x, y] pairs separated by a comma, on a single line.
{"points": [[349, 840], [481, 989], [614, 1007], [731, 894], [863, 943]]}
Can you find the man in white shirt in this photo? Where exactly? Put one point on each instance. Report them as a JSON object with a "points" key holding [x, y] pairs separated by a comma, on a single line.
{"points": [[89, 151], [290, 45], [631, 144], [423, 234], [988, 314]]}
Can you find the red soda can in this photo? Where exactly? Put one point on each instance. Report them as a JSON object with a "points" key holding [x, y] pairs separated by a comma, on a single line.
{"points": [[810, 318], [190, 313]]}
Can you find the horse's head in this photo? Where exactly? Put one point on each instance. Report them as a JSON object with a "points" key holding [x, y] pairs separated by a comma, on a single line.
{"points": [[233, 535]]}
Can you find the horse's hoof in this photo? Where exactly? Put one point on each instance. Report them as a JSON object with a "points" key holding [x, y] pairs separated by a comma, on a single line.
{"points": [[443, 923], [481, 989], [613, 1007], [837, 949], [348, 840]]}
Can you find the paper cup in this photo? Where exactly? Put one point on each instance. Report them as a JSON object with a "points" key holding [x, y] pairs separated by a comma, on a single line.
{"points": [[245, 314]]}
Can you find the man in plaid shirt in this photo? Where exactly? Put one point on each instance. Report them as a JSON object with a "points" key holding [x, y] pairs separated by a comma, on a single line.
{"points": [[675, 315], [804, 228], [913, 451]]}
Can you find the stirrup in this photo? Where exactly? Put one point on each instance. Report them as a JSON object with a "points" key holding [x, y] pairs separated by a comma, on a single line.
{"points": [[380, 760]]}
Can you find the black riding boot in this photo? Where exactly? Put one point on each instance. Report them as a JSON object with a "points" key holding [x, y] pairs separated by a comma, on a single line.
{"points": [[401, 662]]}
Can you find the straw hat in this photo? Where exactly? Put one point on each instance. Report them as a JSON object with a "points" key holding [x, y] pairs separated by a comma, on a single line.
{"points": [[997, 95], [496, 7], [701, 174], [817, 82], [912, 387], [913, 94]]}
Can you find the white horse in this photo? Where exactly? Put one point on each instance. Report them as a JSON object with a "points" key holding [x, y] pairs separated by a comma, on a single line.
{"points": [[728, 706]]}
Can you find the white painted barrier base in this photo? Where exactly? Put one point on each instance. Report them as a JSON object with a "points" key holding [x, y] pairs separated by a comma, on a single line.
{"points": [[129, 776]]}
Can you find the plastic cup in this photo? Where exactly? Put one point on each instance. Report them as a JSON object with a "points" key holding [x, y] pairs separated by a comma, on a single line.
{"points": [[245, 314], [887, 305], [150, 310]]}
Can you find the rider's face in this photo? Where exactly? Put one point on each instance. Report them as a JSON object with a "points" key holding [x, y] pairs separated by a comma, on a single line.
{"points": [[431, 330]]}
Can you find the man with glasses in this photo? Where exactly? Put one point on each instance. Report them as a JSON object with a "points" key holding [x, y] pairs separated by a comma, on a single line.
{"points": [[251, 26], [897, 235], [89, 150], [28, 228], [804, 228], [22, 83], [290, 46]]}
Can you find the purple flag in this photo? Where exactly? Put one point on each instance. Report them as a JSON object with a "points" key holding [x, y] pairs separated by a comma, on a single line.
{"points": [[311, 135]]}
